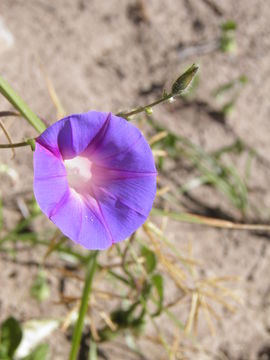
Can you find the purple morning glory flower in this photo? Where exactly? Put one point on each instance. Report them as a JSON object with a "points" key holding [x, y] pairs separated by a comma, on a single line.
{"points": [[94, 177]]}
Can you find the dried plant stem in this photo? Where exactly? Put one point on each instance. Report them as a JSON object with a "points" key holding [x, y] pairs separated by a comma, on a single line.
{"points": [[7, 136], [11, 145], [7, 113]]}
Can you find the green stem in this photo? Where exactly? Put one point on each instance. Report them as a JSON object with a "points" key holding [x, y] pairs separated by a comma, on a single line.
{"points": [[77, 334], [143, 108], [178, 87], [14, 145], [20, 105]]}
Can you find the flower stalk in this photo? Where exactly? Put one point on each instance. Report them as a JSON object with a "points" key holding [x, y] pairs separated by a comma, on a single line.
{"points": [[15, 145], [77, 334], [180, 85]]}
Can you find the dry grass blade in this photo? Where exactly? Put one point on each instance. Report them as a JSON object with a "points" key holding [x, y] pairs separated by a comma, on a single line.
{"points": [[159, 153], [69, 318], [54, 244], [53, 94], [207, 315], [175, 346], [212, 311], [108, 320], [175, 273], [193, 313], [225, 291], [163, 191], [106, 294], [217, 299], [175, 302], [184, 260], [93, 329], [208, 221], [230, 225], [157, 137]]}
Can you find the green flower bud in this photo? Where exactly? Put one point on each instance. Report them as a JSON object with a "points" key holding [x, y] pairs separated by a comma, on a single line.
{"points": [[184, 80]]}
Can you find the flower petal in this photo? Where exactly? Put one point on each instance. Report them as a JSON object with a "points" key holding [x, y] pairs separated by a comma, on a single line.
{"points": [[78, 221], [47, 164], [121, 220], [135, 190], [71, 135], [50, 183], [121, 189], [122, 147]]}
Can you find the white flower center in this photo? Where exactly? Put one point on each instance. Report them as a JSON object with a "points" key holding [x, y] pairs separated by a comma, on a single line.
{"points": [[78, 172]]}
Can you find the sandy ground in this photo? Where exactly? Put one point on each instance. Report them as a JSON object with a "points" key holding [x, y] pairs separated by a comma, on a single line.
{"points": [[112, 55]]}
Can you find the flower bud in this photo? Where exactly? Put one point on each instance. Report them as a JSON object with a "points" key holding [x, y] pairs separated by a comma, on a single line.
{"points": [[184, 80]]}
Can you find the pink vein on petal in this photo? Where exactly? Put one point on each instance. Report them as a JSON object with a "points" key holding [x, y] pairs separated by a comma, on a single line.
{"points": [[131, 146], [50, 177], [95, 143], [60, 203], [105, 224], [54, 151]]}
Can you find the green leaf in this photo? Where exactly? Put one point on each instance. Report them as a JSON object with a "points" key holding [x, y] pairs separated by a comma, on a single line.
{"points": [[7, 91], [40, 289], [243, 79], [157, 281], [228, 108], [10, 337], [41, 352], [229, 25], [227, 40], [150, 259]]}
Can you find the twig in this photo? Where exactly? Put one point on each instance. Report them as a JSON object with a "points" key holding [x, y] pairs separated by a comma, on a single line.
{"points": [[8, 137]]}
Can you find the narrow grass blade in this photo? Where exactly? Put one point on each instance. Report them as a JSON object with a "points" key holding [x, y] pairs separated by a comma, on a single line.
{"points": [[7, 91]]}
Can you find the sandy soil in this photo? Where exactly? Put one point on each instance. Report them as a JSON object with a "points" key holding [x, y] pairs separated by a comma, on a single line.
{"points": [[112, 55]]}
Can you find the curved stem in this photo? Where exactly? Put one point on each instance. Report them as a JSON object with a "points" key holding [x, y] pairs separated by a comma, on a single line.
{"points": [[178, 87], [143, 108], [14, 145], [6, 113], [2, 126], [77, 334]]}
